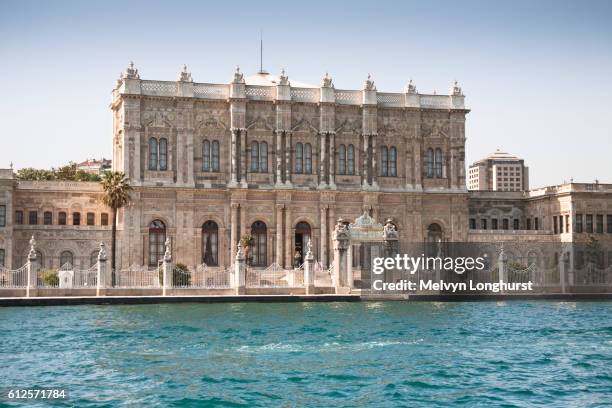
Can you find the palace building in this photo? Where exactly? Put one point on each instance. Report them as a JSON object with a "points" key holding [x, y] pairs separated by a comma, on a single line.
{"points": [[282, 160]]}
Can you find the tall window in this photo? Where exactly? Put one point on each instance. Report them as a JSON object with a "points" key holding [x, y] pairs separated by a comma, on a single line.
{"points": [[259, 233], [307, 158], [528, 223], [555, 228], [61, 218], [33, 218], [516, 224], [494, 223], [429, 163], [350, 159], [1, 257], [66, 259], [341, 159], [589, 223], [299, 152], [599, 223], [215, 156], [91, 218], [2, 215], [263, 157], [392, 161], [438, 163], [104, 219], [472, 223], [152, 154], [76, 218], [206, 156], [609, 222], [19, 217], [157, 240], [254, 156], [384, 160], [536, 223], [163, 154], [483, 224], [48, 218], [578, 223], [210, 243]]}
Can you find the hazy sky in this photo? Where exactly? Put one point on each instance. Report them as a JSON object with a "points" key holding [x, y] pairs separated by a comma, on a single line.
{"points": [[536, 74]]}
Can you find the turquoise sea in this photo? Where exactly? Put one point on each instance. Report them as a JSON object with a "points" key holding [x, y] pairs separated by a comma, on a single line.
{"points": [[379, 354]]}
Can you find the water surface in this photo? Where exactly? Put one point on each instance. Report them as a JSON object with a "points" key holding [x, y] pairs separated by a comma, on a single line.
{"points": [[382, 354]]}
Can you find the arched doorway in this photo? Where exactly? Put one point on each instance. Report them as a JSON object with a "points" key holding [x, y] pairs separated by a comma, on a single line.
{"points": [[157, 240], [434, 240], [302, 236], [210, 243], [259, 248]]}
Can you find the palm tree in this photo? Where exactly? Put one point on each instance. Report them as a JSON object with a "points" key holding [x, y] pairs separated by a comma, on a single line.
{"points": [[117, 190]]}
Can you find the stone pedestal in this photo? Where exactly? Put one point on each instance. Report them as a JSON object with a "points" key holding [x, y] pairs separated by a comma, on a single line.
{"points": [[309, 272], [240, 272]]}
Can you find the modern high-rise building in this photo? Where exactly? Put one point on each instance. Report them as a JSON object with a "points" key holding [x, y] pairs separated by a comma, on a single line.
{"points": [[499, 171]]}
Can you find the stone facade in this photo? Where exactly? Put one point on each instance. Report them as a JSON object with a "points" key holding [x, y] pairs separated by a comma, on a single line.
{"points": [[283, 161]]}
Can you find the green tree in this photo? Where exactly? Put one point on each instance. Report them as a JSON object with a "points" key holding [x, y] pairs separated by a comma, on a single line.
{"points": [[116, 188]]}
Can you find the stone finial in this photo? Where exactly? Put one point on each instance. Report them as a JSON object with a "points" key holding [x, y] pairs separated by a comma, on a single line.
{"points": [[411, 87], [131, 72], [238, 76], [184, 75], [168, 253], [32, 253], [283, 79], [327, 81], [456, 89], [309, 248], [239, 253], [369, 85], [102, 253]]}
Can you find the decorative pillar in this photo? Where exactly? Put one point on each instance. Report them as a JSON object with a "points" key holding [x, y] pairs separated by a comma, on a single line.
{"points": [[322, 159], [243, 158], [332, 157], [279, 234], [243, 226], [418, 168], [102, 277], [502, 265], [365, 167], [237, 123], [240, 272], [309, 271], [167, 268], [374, 161], [563, 263], [234, 158], [233, 229], [341, 244], [323, 252], [287, 158], [279, 157], [32, 269], [331, 221], [288, 238]]}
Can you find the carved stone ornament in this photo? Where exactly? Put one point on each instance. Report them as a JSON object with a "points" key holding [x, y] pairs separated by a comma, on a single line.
{"points": [[283, 79], [365, 228], [32, 253], [168, 253], [341, 235], [131, 72], [327, 81], [390, 231], [411, 88], [456, 89], [184, 75], [102, 253], [238, 76], [369, 85]]}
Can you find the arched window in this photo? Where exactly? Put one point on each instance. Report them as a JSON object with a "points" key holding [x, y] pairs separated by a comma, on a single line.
{"points": [[307, 158], [93, 258], [350, 159], [104, 219], [302, 236], [341, 159], [66, 259], [393, 161], [206, 156], [76, 218], [429, 163], [157, 240], [61, 218], [299, 150], [384, 161], [438, 163], [152, 154], [210, 243], [163, 154], [215, 155], [260, 247], [2, 257], [263, 157], [48, 218], [254, 156]]}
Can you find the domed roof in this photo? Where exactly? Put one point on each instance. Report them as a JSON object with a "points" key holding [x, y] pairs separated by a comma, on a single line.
{"points": [[266, 79], [499, 155]]}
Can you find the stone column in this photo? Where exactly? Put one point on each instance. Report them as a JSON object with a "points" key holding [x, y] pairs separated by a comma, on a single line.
{"points": [[233, 229], [102, 278], [309, 271], [288, 238], [279, 234], [502, 265], [323, 252], [167, 268], [239, 272], [375, 162], [243, 157], [331, 221], [418, 168], [365, 168], [243, 226], [288, 158], [322, 159], [279, 157], [341, 246], [32, 270], [234, 157], [332, 161]]}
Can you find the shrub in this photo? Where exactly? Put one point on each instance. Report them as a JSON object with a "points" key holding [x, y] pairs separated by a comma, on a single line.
{"points": [[181, 275], [50, 278]]}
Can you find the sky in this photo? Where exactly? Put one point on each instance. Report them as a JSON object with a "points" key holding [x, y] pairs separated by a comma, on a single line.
{"points": [[537, 75]]}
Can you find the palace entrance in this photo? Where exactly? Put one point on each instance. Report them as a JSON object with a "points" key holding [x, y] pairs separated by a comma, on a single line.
{"points": [[302, 236]]}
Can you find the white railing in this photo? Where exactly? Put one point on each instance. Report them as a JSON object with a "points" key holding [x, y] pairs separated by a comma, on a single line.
{"points": [[592, 275], [305, 95], [347, 97], [264, 93], [435, 101], [14, 278], [86, 278], [137, 276], [274, 276], [204, 277], [211, 91], [394, 100], [158, 88], [324, 277]]}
